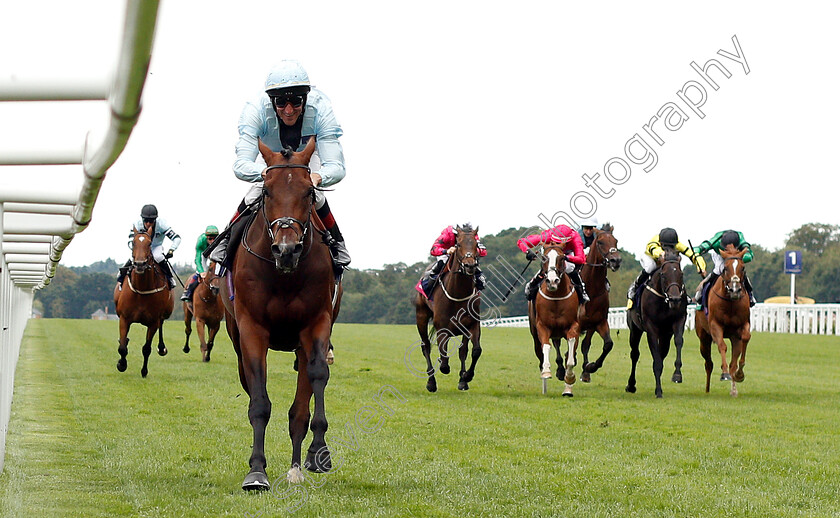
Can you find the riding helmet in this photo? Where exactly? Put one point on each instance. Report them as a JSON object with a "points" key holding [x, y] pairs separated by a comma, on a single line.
{"points": [[149, 212], [211, 230], [730, 237], [589, 222], [287, 76], [668, 236]]}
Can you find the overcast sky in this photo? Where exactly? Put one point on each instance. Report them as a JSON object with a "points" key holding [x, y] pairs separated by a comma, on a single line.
{"points": [[488, 112]]}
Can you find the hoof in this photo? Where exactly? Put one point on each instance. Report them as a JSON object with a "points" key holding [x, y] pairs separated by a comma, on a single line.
{"points": [[567, 391], [630, 389], [295, 475], [256, 481], [585, 377], [431, 385], [546, 374], [144, 372], [162, 350], [725, 377], [568, 394], [122, 365], [676, 378], [330, 357], [463, 385], [739, 376], [467, 376], [186, 349], [444, 368], [659, 396], [590, 367], [570, 379], [318, 461]]}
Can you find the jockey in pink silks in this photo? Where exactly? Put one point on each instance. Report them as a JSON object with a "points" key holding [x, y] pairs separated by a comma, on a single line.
{"points": [[445, 245], [573, 249]]}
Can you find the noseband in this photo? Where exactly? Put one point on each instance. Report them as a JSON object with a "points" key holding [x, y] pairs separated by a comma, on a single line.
{"points": [[665, 295], [604, 261]]}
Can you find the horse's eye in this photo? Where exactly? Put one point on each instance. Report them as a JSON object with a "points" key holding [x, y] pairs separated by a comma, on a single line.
{"points": [[265, 193]]}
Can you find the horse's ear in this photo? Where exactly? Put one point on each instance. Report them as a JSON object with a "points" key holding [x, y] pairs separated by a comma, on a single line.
{"points": [[308, 150], [265, 151]]}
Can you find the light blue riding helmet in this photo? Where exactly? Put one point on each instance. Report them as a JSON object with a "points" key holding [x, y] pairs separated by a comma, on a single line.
{"points": [[288, 73]]}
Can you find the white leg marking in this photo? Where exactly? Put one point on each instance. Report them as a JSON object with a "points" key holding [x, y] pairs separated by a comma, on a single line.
{"points": [[546, 366]]}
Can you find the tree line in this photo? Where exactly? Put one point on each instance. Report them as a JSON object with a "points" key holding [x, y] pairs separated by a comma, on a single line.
{"points": [[384, 296]]}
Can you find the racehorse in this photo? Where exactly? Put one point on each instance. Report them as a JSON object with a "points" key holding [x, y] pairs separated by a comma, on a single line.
{"points": [[207, 307], [454, 310], [552, 315], [285, 298], [729, 317], [145, 298], [661, 314], [603, 254]]}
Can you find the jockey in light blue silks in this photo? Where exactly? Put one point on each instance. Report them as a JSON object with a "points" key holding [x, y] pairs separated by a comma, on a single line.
{"points": [[149, 219], [287, 115]]}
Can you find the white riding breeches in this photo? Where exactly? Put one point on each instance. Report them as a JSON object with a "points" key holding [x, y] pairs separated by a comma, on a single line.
{"points": [[718, 260], [648, 263], [256, 191]]}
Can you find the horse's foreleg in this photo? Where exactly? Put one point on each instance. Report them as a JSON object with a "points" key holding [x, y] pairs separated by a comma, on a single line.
{"points": [[678, 345], [635, 339], [318, 456], [475, 338], [569, 378], [745, 340], [212, 330], [442, 337], [253, 349], [199, 328], [706, 353], [653, 343], [426, 346], [717, 335], [147, 349], [187, 326], [585, 343], [122, 347], [161, 346], [603, 330]]}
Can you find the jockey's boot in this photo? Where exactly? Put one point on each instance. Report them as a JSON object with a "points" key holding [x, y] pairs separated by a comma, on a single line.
{"points": [[188, 291], [631, 292], [749, 288], [533, 285], [167, 271], [480, 280], [338, 250], [231, 235], [579, 286], [123, 272], [434, 270], [700, 287]]}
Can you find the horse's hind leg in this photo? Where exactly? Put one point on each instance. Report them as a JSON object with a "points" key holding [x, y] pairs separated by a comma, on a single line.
{"points": [[678, 345], [706, 352], [200, 324], [147, 349], [604, 331], [212, 330], [187, 326], [161, 346], [122, 348], [745, 340], [423, 316], [585, 344], [569, 377]]}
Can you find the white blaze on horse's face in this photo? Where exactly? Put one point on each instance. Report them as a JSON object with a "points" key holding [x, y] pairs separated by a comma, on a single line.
{"points": [[141, 239], [552, 277]]}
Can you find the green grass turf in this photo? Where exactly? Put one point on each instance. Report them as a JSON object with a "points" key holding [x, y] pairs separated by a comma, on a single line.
{"points": [[86, 440]]}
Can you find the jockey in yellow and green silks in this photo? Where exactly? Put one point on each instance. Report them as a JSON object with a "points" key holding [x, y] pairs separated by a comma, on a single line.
{"points": [[655, 249], [714, 246]]}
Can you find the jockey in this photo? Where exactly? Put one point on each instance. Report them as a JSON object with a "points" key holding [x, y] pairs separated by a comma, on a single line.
{"points": [[655, 249], [204, 240], [574, 257], [149, 219], [714, 246], [444, 246], [289, 113], [587, 233]]}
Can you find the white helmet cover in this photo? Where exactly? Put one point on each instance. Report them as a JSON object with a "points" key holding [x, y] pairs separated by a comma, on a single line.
{"points": [[589, 222], [288, 73]]}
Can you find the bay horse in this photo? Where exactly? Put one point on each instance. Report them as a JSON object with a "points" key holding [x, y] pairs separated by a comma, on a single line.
{"points": [[552, 315], [729, 317], [453, 310], [144, 298], [661, 314], [285, 298], [592, 318], [207, 307]]}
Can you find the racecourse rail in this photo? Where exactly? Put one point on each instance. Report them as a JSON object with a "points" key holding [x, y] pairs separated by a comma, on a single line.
{"points": [[813, 319], [37, 222]]}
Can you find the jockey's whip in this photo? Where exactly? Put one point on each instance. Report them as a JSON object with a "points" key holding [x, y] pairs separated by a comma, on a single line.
{"points": [[693, 257], [171, 269], [516, 281]]}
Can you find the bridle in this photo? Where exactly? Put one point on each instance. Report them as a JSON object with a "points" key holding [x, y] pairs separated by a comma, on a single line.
{"points": [[300, 228], [734, 279], [461, 270], [664, 294], [141, 266], [605, 262]]}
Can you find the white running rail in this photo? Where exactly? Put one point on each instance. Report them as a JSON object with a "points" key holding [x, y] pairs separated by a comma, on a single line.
{"points": [[36, 222], [814, 319]]}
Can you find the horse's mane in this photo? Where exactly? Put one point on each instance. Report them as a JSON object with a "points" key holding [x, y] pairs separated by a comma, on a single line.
{"points": [[606, 227], [466, 228]]}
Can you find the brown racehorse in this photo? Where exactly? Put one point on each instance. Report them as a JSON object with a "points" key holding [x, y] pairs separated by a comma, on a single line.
{"points": [[592, 317], [285, 298], [729, 317], [145, 298], [207, 307], [661, 314], [454, 310], [552, 315]]}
